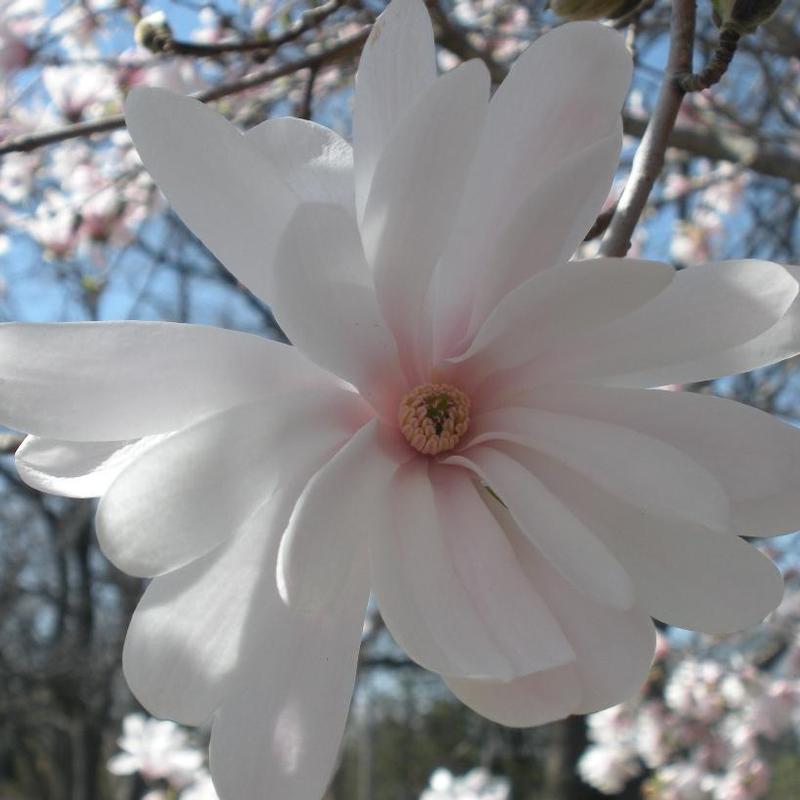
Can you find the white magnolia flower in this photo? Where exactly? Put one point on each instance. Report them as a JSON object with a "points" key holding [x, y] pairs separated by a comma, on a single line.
{"points": [[477, 784], [155, 749], [443, 343]]}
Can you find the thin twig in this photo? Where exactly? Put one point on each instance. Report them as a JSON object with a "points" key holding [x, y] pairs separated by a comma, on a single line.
{"points": [[649, 159], [309, 19], [24, 144], [717, 67]]}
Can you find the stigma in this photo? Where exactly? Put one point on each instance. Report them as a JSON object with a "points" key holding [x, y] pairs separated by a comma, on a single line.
{"points": [[433, 417]]}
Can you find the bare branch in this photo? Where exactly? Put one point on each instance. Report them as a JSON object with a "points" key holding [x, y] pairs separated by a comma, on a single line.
{"points": [[649, 159], [344, 48]]}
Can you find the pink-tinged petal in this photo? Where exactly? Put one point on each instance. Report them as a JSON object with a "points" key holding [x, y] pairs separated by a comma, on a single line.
{"points": [[753, 456], [219, 470], [549, 225], [315, 162], [398, 63], [76, 469], [780, 342], [280, 728], [551, 526], [706, 310], [550, 107], [325, 302], [613, 652], [557, 305], [114, 381], [415, 192], [638, 468], [186, 637], [338, 509], [683, 573], [449, 586]]}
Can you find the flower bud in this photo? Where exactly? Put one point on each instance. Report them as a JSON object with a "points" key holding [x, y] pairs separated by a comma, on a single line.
{"points": [[743, 16], [593, 9], [153, 32]]}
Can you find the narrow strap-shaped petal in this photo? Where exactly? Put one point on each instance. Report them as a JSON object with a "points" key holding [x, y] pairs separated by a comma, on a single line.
{"points": [[325, 302], [547, 228], [280, 726], [550, 107], [777, 343], [414, 197], [110, 381], [683, 573], [707, 309], [613, 652], [186, 637], [551, 526], [235, 191], [558, 304], [640, 469], [398, 63], [339, 507], [220, 470], [76, 469], [314, 161], [448, 584], [754, 456]]}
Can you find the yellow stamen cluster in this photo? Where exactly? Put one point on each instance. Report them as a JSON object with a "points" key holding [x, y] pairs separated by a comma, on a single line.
{"points": [[433, 417]]}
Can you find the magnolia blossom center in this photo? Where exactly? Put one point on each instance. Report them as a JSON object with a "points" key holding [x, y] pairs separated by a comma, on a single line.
{"points": [[433, 417]]}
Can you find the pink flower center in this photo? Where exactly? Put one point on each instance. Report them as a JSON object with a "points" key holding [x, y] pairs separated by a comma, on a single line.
{"points": [[433, 417]]}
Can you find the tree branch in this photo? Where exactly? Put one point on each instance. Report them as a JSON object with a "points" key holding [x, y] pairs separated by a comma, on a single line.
{"points": [[649, 159], [344, 48]]}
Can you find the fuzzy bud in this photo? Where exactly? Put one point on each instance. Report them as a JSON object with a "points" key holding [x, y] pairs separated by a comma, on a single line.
{"points": [[153, 32], [593, 9], [743, 16]]}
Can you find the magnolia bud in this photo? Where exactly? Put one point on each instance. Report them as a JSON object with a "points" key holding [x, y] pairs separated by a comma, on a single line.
{"points": [[153, 32], [593, 9], [743, 16]]}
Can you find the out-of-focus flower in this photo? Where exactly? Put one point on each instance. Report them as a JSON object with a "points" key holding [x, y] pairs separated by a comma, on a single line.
{"points": [[609, 767], [445, 344], [477, 784], [155, 749], [201, 788], [74, 88]]}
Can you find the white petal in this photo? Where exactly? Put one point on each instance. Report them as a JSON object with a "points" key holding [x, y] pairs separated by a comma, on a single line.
{"points": [[781, 341], [415, 192], [449, 586], [754, 456], [613, 652], [231, 196], [397, 65], [339, 508], [190, 492], [280, 728], [185, 640], [108, 381], [76, 469], [559, 304], [551, 526], [549, 225], [633, 466], [315, 162], [550, 107], [683, 573], [705, 310], [325, 302]]}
